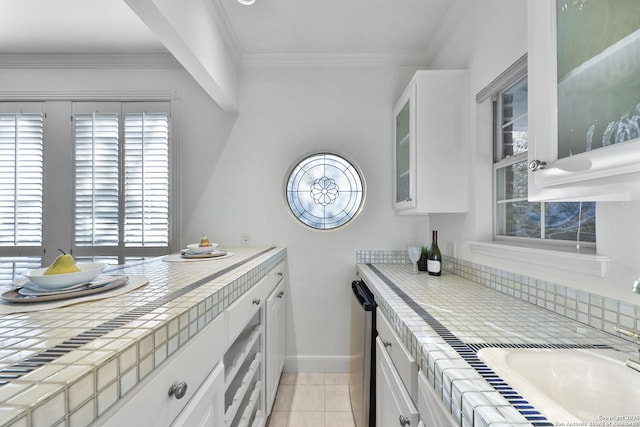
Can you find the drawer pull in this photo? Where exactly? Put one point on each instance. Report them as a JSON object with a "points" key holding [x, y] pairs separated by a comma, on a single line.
{"points": [[280, 294], [178, 390], [404, 421], [256, 301], [280, 273], [387, 344]]}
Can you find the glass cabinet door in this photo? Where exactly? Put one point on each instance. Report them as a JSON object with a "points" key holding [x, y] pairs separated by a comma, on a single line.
{"points": [[584, 63], [403, 171], [404, 152], [598, 74]]}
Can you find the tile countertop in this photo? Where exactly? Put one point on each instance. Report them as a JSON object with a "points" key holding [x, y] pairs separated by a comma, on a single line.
{"points": [[67, 366], [445, 320]]}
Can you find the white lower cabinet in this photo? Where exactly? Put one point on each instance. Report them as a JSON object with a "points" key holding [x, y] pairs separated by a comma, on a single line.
{"points": [[432, 411], [275, 333], [404, 396], [394, 406], [218, 378], [206, 408], [247, 371], [152, 403]]}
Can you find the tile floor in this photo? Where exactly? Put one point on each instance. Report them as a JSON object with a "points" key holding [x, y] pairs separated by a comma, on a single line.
{"points": [[312, 400]]}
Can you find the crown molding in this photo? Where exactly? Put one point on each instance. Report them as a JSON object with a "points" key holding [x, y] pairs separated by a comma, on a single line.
{"points": [[40, 95], [221, 20], [88, 60], [449, 22], [267, 60]]}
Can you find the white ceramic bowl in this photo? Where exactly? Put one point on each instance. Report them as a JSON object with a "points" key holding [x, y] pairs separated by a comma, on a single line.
{"points": [[87, 273], [195, 248]]}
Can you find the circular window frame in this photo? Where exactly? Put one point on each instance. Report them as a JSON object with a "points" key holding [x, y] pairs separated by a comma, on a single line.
{"points": [[323, 190]]}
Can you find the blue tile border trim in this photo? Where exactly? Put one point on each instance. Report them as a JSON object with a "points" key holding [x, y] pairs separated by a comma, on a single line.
{"points": [[591, 309], [469, 353]]}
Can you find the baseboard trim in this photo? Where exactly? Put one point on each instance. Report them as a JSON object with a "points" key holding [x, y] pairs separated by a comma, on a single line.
{"points": [[338, 364]]}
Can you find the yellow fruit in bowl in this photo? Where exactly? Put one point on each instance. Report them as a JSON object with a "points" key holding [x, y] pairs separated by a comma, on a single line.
{"points": [[204, 242], [64, 264]]}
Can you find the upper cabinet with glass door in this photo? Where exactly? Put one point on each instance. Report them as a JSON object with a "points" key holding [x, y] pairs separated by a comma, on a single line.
{"points": [[429, 140], [584, 99]]}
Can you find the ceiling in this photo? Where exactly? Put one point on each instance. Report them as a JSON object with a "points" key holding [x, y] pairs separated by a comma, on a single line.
{"points": [[73, 26], [269, 27]]}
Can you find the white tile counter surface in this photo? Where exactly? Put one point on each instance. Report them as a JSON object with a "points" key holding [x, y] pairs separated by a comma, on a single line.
{"points": [[75, 385], [474, 314]]}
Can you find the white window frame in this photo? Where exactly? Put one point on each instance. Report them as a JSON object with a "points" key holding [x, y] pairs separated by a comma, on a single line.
{"points": [[560, 255]]}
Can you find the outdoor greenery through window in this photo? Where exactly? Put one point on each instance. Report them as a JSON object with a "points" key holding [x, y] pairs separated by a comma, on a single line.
{"points": [[515, 217]]}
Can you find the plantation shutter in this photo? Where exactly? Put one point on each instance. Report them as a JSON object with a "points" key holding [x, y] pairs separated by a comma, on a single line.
{"points": [[21, 174], [122, 175], [146, 178], [97, 138]]}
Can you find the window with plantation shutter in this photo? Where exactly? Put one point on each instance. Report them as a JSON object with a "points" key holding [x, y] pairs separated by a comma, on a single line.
{"points": [[91, 178], [21, 188], [121, 178], [146, 179], [96, 179], [21, 178]]}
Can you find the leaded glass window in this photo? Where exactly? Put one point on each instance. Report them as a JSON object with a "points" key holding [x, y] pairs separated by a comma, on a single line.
{"points": [[325, 191]]}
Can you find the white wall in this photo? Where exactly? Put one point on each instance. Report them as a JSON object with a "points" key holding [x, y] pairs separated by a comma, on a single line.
{"points": [[490, 37], [286, 114]]}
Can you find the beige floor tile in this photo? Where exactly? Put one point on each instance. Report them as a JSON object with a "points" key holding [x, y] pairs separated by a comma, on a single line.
{"points": [[307, 378], [307, 399], [336, 378], [284, 397], [296, 419], [338, 419], [288, 378], [336, 398], [299, 397]]}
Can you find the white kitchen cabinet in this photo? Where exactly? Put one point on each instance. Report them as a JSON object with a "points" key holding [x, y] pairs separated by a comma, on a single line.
{"points": [[429, 143], [275, 333], [217, 379], [405, 364], [584, 113], [431, 408], [244, 360], [394, 406], [206, 408], [194, 370]]}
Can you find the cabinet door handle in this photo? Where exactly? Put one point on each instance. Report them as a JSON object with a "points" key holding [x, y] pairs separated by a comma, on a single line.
{"points": [[386, 344], [404, 421], [178, 390], [280, 294], [280, 273], [408, 199], [256, 301]]}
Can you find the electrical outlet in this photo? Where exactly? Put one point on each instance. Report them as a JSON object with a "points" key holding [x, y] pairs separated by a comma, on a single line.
{"points": [[244, 240]]}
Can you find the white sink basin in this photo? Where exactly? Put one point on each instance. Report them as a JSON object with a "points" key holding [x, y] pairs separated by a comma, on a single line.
{"points": [[570, 385]]}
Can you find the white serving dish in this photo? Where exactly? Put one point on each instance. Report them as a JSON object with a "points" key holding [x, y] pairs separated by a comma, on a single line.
{"points": [[195, 248], [87, 273]]}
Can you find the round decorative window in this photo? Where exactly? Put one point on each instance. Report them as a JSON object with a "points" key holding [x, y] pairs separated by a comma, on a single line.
{"points": [[325, 191]]}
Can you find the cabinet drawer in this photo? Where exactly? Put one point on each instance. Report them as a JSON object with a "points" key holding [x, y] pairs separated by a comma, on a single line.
{"points": [[394, 406], [405, 364], [149, 403], [432, 411], [243, 309]]}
